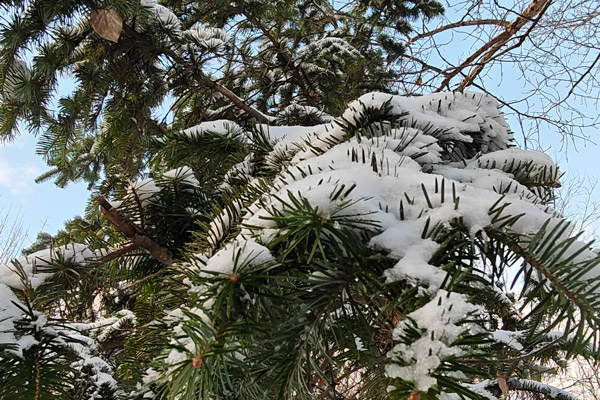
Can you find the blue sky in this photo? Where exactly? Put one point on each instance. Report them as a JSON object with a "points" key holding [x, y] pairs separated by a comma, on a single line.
{"points": [[39, 206], [42, 206]]}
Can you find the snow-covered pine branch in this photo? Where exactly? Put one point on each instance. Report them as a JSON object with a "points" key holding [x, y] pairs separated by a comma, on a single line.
{"points": [[434, 186]]}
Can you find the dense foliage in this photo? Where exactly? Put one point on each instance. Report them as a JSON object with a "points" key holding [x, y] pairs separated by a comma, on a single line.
{"points": [[207, 60], [270, 238]]}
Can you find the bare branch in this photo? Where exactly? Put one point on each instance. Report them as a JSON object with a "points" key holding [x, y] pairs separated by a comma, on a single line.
{"points": [[118, 253], [239, 103], [137, 236], [578, 81], [487, 51], [477, 22]]}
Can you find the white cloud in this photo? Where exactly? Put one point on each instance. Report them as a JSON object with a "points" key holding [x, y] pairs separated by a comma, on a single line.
{"points": [[19, 179]]}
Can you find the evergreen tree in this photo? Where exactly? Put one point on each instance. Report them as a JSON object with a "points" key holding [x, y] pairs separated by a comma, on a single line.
{"points": [[242, 60], [257, 247]]}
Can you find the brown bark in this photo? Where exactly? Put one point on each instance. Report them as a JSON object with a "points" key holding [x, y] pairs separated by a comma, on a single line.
{"points": [[119, 253], [137, 236], [238, 102]]}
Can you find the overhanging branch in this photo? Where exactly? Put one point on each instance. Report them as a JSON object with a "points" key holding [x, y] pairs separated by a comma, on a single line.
{"points": [[537, 265], [235, 99], [118, 253]]}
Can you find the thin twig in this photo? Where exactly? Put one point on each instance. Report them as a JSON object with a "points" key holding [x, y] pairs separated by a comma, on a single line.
{"points": [[459, 24]]}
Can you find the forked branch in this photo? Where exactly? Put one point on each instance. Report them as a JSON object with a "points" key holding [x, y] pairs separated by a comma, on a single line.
{"points": [[138, 238]]}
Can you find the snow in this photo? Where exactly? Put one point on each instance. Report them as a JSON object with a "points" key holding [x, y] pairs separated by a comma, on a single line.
{"points": [[221, 224], [65, 335], [163, 14], [101, 372], [9, 312], [451, 116], [505, 158], [180, 339], [13, 88], [393, 198], [294, 110], [236, 255], [330, 48], [221, 126], [207, 38], [34, 264], [143, 190], [441, 323], [327, 56], [150, 376], [24, 343], [539, 387], [454, 113], [481, 388], [398, 186], [183, 175], [508, 337], [359, 344], [497, 181], [110, 325], [12, 310], [400, 196], [413, 266]]}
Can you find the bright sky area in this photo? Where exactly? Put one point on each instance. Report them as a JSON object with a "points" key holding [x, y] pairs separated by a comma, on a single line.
{"points": [[42, 206]]}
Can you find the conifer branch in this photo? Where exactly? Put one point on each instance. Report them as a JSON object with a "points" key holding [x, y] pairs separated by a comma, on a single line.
{"points": [[533, 261], [297, 71], [236, 100], [137, 236], [528, 385]]}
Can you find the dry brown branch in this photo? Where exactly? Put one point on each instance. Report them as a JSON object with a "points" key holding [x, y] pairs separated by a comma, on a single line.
{"points": [[486, 52], [239, 103], [118, 253], [12, 235], [146, 278], [494, 52], [139, 238], [578, 81]]}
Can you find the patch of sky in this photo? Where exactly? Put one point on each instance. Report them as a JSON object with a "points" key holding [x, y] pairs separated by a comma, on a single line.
{"points": [[575, 155], [39, 206]]}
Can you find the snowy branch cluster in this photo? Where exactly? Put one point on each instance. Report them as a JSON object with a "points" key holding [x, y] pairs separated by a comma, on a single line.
{"points": [[404, 176]]}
